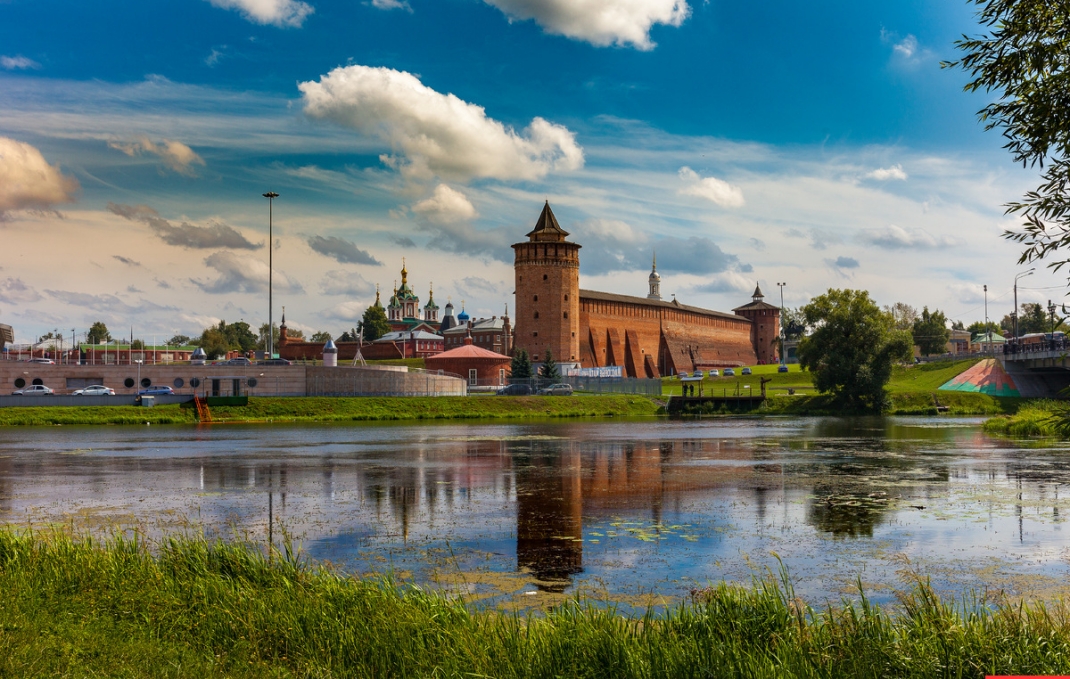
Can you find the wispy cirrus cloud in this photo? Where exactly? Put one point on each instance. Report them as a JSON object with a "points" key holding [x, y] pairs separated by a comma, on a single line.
{"points": [[15, 291], [437, 134], [894, 237], [215, 235], [281, 13], [28, 182], [349, 283], [391, 4], [174, 155], [341, 250], [18, 63], [599, 22]]}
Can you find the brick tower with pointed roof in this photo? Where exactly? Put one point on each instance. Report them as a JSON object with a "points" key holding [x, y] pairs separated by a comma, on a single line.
{"points": [[547, 270], [765, 325]]}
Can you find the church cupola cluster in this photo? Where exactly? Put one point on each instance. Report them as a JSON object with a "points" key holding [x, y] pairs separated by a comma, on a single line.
{"points": [[404, 303], [431, 309]]}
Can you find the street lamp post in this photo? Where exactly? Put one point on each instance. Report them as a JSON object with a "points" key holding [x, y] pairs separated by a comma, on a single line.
{"points": [[271, 196], [988, 329], [1051, 313], [782, 335], [1015, 315]]}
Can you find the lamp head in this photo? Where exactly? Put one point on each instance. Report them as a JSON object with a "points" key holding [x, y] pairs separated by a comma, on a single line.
{"points": [[271, 194]]}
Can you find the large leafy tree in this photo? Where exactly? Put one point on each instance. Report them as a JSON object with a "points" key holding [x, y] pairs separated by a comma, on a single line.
{"points": [[930, 332], [1022, 58], [1033, 318], [321, 337], [225, 337], [374, 323], [98, 332], [852, 348], [903, 315]]}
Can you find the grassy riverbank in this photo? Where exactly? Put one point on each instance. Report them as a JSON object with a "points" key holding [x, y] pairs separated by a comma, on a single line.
{"points": [[1036, 418], [209, 610], [913, 390], [337, 409]]}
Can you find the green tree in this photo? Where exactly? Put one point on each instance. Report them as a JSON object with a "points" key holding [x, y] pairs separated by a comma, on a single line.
{"points": [[179, 341], [350, 335], [98, 332], [903, 315], [214, 343], [1021, 62], [979, 328], [521, 365], [549, 369], [374, 323], [1033, 318], [930, 332], [852, 348], [137, 344], [321, 337]]}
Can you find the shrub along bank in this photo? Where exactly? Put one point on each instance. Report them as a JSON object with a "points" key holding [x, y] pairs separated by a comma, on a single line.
{"points": [[201, 609]]}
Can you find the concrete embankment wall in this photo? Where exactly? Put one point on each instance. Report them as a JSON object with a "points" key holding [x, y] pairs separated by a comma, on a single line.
{"points": [[222, 380]]}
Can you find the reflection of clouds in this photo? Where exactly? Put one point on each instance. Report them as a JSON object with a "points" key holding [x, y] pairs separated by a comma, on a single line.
{"points": [[711, 499]]}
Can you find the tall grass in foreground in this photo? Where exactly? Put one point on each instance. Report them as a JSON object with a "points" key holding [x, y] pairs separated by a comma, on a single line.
{"points": [[1038, 418], [192, 609]]}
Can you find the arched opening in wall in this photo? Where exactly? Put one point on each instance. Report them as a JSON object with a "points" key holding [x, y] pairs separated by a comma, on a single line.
{"points": [[536, 314], [536, 298], [19, 383], [566, 298], [37, 381], [544, 277]]}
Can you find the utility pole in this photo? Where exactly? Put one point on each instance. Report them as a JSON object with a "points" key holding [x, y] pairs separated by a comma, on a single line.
{"points": [[988, 328], [1015, 314], [271, 196], [783, 337]]}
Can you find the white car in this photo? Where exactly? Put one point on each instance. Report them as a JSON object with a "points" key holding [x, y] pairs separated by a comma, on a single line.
{"points": [[45, 361], [95, 390], [715, 373], [34, 390]]}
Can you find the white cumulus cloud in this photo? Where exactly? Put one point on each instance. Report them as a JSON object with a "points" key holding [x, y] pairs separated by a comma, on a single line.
{"points": [[27, 181], [434, 133], [599, 22], [18, 63], [281, 13], [445, 205], [242, 273], [711, 188], [173, 154], [894, 237], [885, 173]]}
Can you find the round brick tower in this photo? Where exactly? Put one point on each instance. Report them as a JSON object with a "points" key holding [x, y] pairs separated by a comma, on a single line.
{"points": [[547, 270]]}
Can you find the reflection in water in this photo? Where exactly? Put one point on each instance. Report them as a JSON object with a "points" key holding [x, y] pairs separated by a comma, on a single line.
{"points": [[641, 505]]}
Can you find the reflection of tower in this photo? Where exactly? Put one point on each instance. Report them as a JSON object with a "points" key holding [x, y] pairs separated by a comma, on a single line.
{"points": [[549, 517]]}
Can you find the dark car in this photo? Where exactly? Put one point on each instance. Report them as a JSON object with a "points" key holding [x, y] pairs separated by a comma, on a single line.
{"points": [[157, 391], [515, 390], [240, 360], [782, 368], [275, 361], [556, 390]]}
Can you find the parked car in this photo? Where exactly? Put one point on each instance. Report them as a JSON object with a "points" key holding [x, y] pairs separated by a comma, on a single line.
{"points": [[46, 361], [34, 390], [782, 368], [746, 371], [275, 361], [240, 360], [556, 390], [157, 391], [729, 372], [94, 390], [715, 373], [515, 390], [682, 374]]}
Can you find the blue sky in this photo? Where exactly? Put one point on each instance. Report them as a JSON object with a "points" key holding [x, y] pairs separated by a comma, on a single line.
{"points": [[773, 142]]}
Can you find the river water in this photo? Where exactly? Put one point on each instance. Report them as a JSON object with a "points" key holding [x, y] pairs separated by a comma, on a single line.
{"points": [[637, 512]]}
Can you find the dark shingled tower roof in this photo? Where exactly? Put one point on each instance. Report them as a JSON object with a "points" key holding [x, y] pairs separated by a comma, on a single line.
{"points": [[547, 228]]}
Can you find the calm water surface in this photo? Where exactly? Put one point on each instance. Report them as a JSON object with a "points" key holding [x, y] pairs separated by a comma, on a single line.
{"points": [[523, 513]]}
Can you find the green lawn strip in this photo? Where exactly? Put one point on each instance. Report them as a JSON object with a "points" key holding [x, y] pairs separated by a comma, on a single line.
{"points": [[193, 608], [1040, 418], [74, 415], [336, 409]]}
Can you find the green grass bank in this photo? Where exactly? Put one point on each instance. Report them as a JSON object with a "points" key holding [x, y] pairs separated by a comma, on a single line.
{"points": [[1040, 418], [913, 390], [195, 609], [338, 409]]}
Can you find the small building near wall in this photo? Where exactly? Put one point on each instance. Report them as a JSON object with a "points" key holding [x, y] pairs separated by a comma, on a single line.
{"points": [[478, 366]]}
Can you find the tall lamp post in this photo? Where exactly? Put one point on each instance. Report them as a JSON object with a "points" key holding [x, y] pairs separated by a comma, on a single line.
{"points": [[271, 196], [1015, 315], [988, 328], [1051, 313], [782, 336]]}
